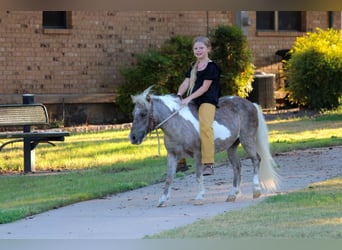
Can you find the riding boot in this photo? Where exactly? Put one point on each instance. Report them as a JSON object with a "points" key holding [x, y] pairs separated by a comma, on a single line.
{"points": [[208, 169], [182, 166]]}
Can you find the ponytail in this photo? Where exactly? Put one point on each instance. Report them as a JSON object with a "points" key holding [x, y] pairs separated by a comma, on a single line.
{"points": [[193, 76]]}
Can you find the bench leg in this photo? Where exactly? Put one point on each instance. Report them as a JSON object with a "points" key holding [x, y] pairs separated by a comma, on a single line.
{"points": [[29, 156]]}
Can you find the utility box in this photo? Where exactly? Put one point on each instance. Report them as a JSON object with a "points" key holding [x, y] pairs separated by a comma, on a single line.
{"points": [[263, 90]]}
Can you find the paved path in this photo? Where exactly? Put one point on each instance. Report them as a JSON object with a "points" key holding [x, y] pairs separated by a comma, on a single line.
{"points": [[134, 214]]}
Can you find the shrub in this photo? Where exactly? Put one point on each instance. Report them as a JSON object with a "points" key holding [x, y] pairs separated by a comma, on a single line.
{"points": [[178, 50], [231, 52], [151, 68], [164, 68], [314, 70]]}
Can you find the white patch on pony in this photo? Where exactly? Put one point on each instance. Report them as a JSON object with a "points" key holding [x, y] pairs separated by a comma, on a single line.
{"points": [[234, 191], [187, 115], [220, 131], [174, 104], [256, 180]]}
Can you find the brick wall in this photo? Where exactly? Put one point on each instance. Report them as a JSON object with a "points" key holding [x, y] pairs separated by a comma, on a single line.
{"points": [[80, 66], [86, 58]]}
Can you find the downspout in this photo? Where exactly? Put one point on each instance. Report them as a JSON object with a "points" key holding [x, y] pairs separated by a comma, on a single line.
{"points": [[207, 15]]}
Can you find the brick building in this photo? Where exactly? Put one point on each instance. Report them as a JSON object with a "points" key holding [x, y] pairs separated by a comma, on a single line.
{"points": [[70, 60]]}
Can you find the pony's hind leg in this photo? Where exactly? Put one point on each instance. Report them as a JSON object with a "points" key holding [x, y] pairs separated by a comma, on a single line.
{"points": [[251, 151], [236, 164], [256, 181]]}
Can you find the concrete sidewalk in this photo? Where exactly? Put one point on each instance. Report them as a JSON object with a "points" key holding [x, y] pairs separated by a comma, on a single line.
{"points": [[130, 215], [133, 215]]}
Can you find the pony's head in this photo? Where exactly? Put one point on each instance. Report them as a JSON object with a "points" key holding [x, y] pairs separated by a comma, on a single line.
{"points": [[141, 116]]}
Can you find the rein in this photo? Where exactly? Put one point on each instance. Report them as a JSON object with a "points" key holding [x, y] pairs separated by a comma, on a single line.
{"points": [[151, 127], [169, 117]]}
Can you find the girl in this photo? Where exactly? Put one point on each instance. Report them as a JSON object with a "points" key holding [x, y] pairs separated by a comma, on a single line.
{"points": [[203, 88]]}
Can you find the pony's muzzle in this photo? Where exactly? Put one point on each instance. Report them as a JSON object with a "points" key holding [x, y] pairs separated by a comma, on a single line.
{"points": [[136, 138]]}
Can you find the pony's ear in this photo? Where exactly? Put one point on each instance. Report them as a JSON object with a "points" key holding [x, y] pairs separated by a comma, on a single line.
{"points": [[147, 92]]}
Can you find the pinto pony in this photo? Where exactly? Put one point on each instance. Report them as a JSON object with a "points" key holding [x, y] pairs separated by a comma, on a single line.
{"points": [[236, 121]]}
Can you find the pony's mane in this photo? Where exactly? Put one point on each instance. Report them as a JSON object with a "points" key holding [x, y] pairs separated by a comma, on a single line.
{"points": [[170, 100]]}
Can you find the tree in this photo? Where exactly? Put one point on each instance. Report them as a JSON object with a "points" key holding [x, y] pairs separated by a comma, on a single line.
{"points": [[231, 52]]}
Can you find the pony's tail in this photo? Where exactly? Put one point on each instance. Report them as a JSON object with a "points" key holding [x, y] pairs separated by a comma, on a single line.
{"points": [[268, 176]]}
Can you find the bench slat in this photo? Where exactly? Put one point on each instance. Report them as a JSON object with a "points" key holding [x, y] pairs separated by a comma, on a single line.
{"points": [[23, 114], [34, 135]]}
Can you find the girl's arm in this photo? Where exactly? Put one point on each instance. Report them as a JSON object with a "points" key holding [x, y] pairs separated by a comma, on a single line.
{"points": [[183, 87], [204, 88]]}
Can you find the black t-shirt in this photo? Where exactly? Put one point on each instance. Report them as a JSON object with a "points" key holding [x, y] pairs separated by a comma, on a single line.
{"points": [[211, 72]]}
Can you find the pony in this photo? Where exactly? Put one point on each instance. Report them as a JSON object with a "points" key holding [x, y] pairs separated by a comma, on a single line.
{"points": [[237, 121]]}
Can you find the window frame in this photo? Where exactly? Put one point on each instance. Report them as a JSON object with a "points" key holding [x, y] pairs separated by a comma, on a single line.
{"points": [[276, 22], [63, 28]]}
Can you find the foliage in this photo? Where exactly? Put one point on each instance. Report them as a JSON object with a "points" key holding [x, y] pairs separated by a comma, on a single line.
{"points": [[178, 50], [151, 68], [231, 52], [163, 68], [314, 70]]}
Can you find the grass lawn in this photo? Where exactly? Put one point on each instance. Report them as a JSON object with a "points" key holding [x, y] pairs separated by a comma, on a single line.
{"points": [[94, 165], [314, 212]]}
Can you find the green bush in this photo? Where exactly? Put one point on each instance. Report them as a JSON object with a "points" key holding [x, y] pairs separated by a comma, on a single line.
{"points": [[231, 52], [151, 68], [314, 70], [178, 50], [164, 68]]}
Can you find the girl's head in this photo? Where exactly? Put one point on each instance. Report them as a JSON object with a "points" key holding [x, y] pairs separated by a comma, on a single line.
{"points": [[201, 47]]}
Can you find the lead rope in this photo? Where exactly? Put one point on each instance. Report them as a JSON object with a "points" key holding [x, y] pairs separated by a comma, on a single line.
{"points": [[161, 123]]}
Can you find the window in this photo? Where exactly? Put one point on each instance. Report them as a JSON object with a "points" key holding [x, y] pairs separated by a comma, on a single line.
{"points": [[265, 20], [55, 20], [279, 20]]}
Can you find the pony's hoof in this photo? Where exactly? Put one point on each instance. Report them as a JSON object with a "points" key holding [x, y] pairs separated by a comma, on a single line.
{"points": [[198, 202], [231, 198], [162, 204], [256, 194]]}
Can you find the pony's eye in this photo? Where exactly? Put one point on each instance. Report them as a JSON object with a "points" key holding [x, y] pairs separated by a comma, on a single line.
{"points": [[143, 115]]}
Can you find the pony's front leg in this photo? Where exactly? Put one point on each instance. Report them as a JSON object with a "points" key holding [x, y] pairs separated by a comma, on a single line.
{"points": [[199, 200], [171, 171]]}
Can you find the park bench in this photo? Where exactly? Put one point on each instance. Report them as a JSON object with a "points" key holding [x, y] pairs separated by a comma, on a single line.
{"points": [[25, 116]]}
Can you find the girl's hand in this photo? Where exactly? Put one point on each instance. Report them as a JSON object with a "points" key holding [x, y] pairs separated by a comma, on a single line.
{"points": [[185, 101]]}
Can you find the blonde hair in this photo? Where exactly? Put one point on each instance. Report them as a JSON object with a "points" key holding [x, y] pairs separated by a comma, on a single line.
{"points": [[193, 74]]}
